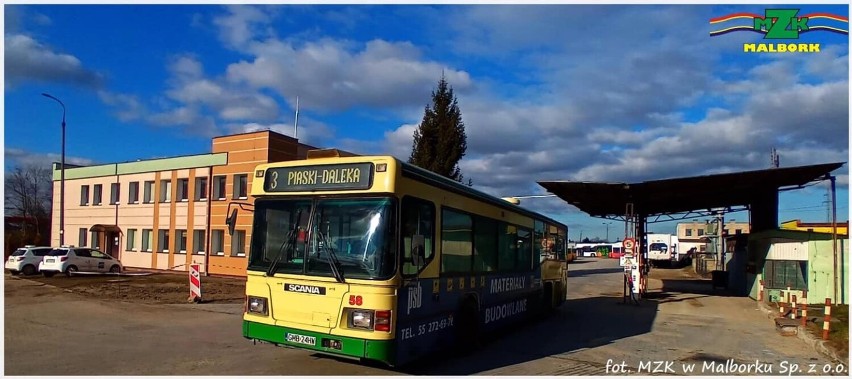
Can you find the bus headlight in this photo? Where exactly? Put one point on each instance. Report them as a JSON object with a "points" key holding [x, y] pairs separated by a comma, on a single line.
{"points": [[362, 319], [257, 305]]}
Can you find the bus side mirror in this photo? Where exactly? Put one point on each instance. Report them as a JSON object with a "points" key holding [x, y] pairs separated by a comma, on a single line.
{"points": [[418, 250], [231, 221]]}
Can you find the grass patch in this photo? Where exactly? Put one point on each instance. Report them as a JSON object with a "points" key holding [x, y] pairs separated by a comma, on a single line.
{"points": [[838, 333]]}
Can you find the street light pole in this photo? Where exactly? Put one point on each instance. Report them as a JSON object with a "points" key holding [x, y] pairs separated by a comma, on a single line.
{"points": [[607, 229], [61, 177]]}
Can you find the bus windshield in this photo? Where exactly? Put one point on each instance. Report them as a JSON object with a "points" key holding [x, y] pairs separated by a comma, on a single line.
{"points": [[312, 235]]}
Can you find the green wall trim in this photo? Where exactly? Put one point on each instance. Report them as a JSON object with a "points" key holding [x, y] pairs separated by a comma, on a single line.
{"points": [[150, 165]]}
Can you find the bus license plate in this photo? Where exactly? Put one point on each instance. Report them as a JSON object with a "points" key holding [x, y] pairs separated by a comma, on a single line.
{"points": [[300, 339]]}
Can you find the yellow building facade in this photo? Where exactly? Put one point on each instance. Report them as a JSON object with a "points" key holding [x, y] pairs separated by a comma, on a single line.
{"points": [[816, 227]]}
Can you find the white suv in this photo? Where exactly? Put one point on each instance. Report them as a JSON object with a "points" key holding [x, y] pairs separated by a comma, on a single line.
{"points": [[26, 259], [73, 259]]}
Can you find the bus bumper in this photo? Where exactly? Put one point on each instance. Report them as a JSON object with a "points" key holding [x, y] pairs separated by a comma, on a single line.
{"points": [[378, 350]]}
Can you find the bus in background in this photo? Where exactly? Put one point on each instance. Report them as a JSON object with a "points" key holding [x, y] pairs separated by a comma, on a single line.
{"points": [[571, 252], [617, 250], [372, 258]]}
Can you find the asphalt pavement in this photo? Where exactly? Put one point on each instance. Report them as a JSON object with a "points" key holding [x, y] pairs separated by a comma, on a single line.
{"points": [[681, 323]]}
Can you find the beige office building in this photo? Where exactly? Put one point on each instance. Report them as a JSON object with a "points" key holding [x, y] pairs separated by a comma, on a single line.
{"points": [[166, 214], [694, 234]]}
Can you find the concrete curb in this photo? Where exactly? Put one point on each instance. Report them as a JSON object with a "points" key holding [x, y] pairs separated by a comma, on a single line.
{"points": [[803, 334]]}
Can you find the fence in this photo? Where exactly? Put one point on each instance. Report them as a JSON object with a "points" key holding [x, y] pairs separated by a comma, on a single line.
{"points": [[704, 263]]}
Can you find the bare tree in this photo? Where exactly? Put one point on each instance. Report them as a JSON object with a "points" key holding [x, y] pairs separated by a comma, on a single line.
{"points": [[29, 194]]}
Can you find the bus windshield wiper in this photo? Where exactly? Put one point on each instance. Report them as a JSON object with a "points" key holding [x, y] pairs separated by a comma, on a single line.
{"points": [[333, 262], [288, 244]]}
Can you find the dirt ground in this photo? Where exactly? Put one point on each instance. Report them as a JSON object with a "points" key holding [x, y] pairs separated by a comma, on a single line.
{"points": [[156, 288]]}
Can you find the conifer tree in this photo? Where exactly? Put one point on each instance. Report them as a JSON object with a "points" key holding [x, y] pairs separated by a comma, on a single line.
{"points": [[440, 141]]}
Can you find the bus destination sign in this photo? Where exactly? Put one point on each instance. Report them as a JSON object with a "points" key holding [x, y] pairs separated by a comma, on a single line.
{"points": [[349, 176]]}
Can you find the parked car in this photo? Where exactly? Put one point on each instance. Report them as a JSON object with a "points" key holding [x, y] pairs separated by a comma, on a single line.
{"points": [[26, 259], [70, 260]]}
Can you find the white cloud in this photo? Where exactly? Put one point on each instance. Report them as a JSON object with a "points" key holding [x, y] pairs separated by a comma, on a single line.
{"points": [[27, 59], [241, 24], [334, 75], [22, 157], [126, 107]]}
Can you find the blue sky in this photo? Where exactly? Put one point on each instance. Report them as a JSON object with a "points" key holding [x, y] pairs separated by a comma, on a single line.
{"points": [[547, 92]]}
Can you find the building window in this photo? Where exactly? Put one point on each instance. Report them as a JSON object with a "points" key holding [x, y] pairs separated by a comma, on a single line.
{"points": [[96, 200], [238, 243], [181, 241], [240, 186], [114, 192], [149, 192], [82, 237], [133, 193], [146, 239], [165, 191], [700, 232], [783, 274], [219, 187], [217, 241], [131, 239], [201, 188], [84, 195], [688, 232], [163, 240], [96, 244], [183, 189], [198, 241]]}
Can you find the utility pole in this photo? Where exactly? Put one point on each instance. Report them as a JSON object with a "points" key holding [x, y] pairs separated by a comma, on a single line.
{"points": [[296, 123], [721, 233]]}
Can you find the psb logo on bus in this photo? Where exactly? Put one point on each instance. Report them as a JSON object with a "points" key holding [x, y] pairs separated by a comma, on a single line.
{"points": [[415, 298], [314, 290]]}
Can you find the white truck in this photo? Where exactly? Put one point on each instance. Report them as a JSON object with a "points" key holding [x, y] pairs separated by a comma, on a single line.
{"points": [[662, 249]]}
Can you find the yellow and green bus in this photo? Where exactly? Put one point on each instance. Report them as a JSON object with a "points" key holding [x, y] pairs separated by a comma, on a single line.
{"points": [[372, 258]]}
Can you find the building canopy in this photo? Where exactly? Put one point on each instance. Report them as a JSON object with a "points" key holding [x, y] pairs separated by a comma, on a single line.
{"points": [[678, 195]]}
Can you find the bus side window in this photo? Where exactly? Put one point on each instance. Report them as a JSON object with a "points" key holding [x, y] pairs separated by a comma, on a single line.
{"points": [[418, 227]]}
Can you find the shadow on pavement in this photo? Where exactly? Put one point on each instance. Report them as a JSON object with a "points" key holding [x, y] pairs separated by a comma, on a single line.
{"points": [[578, 324], [694, 286], [596, 271]]}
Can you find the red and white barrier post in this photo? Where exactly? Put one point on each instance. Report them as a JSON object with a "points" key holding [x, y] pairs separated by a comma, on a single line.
{"points": [[194, 283], [805, 308], [794, 309], [827, 318], [760, 291]]}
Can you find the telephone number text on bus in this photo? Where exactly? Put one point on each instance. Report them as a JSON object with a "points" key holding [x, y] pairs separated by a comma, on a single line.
{"points": [[350, 176]]}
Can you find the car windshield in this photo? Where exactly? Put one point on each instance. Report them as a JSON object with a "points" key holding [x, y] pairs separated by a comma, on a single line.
{"points": [[310, 233], [19, 252], [58, 252], [658, 246]]}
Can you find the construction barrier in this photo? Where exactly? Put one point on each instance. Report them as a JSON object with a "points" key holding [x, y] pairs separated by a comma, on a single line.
{"points": [[827, 318], [794, 310], [194, 283]]}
